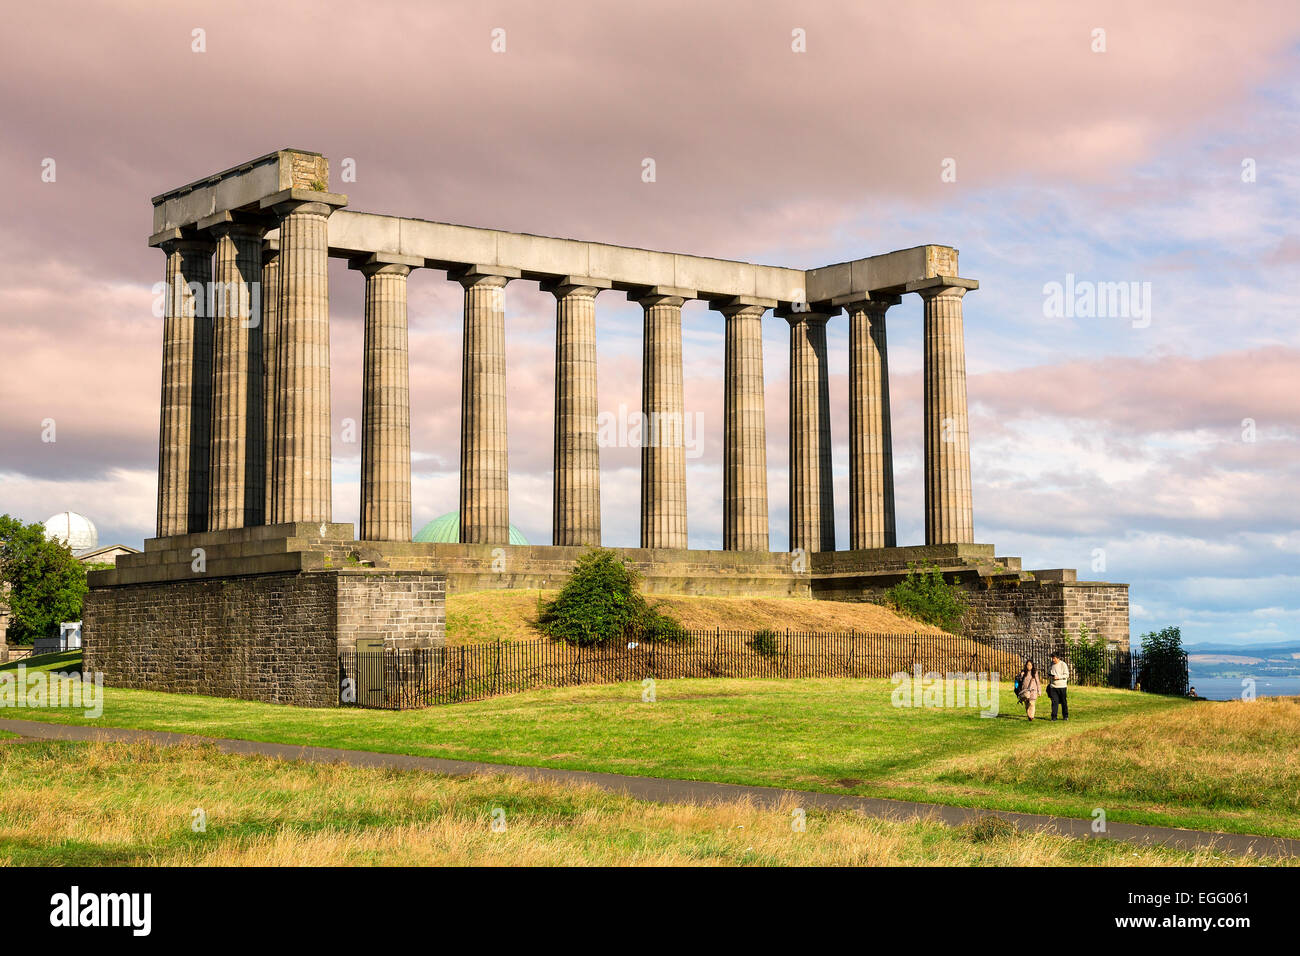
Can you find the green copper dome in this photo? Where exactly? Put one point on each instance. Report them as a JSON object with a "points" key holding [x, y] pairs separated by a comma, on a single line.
{"points": [[446, 530]]}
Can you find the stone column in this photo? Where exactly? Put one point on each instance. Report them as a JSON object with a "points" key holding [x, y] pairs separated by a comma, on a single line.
{"points": [[484, 451], [663, 452], [744, 463], [238, 496], [812, 494], [576, 495], [301, 472], [871, 454], [270, 361], [185, 420], [386, 406], [947, 447]]}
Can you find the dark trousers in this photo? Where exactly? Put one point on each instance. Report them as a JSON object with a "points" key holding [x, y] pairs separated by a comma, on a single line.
{"points": [[1057, 695]]}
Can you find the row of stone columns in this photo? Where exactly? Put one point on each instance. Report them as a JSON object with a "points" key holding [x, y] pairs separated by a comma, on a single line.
{"points": [[245, 418], [245, 425]]}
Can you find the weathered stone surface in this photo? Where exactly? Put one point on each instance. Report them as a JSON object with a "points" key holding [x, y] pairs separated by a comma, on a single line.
{"points": [[269, 637], [812, 491], [484, 444], [948, 511], [386, 407], [237, 497], [663, 452], [186, 418], [301, 475], [576, 493], [871, 449], [744, 461]]}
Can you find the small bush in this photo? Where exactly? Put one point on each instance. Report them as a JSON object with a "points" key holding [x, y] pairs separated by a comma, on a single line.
{"points": [[601, 602], [925, 596], [764, 643], [1087, 655]]}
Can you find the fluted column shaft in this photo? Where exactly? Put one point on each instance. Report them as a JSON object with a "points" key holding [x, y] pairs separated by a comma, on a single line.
{"points": [[576, 495], [301, 474], [744, 463], [812, 494], [270, 365], [185, 414], [386, 407], [663, 451], [484, 451], [948, 518], [871, 454], [237, 497]]}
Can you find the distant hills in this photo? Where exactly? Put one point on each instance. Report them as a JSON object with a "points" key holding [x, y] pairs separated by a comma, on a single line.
{"points": [[1283, 649], [1240, 660]]}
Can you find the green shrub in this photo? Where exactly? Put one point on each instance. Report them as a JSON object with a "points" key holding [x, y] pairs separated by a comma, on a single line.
{"points": [[601, 602], [764, 642], [927, 597], [658, 626]]}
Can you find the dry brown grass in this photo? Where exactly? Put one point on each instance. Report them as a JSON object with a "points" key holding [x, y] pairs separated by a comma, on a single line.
{"points": [[120, 803], [1235, 757], [477, 616]]}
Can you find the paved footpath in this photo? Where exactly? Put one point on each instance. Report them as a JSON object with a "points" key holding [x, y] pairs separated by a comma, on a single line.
{"points": [[665, 790]]}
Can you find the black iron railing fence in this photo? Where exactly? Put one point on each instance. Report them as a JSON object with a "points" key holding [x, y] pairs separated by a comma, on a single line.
{"points": [[401, 679]]}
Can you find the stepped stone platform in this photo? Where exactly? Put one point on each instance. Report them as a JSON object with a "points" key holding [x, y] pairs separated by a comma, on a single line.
{"points": [[263, 612]]}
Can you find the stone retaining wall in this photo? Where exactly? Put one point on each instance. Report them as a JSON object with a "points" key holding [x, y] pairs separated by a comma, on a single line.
{"points": [[267, 637]]}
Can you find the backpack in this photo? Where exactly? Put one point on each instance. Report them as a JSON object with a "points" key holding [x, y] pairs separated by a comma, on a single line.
{"points": [[1019, 682]]}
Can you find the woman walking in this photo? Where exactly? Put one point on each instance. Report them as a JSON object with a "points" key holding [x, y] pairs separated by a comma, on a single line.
{"points": [[1027, 689]]}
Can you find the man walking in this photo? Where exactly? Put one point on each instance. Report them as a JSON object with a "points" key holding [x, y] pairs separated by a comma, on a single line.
{"points": [[1058, 673]]}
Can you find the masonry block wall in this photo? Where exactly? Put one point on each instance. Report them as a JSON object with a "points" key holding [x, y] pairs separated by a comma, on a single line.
{"points": [[1101, 607], [403, 609], [1048, 609], [266, 637]]}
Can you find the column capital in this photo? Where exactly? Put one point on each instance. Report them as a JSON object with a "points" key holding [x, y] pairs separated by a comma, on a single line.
{"points": [[305, 201], [193, 245], [938, 286], [742, 305], [873, 305], [647, 296], [386, 263], [806, 315], [493, 277], [251, 226], [584, 286]]}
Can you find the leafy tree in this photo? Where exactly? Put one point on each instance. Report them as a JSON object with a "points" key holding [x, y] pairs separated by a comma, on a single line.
{"points": [[927, 597], [601, 602], [45, 582], [1164, 662]]}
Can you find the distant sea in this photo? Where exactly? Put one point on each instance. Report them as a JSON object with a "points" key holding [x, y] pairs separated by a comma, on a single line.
{"points": [[1229, 688]]}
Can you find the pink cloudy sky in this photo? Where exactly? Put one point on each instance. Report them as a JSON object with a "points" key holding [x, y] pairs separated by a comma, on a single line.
{"points": [[1094, 439]]}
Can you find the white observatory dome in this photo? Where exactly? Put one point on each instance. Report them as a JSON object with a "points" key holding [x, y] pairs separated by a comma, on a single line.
{"points": [[76, 531]]}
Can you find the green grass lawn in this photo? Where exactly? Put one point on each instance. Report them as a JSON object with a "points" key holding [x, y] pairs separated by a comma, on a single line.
{"points": [[1141, 758], [79, 804], [62, 661]]}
